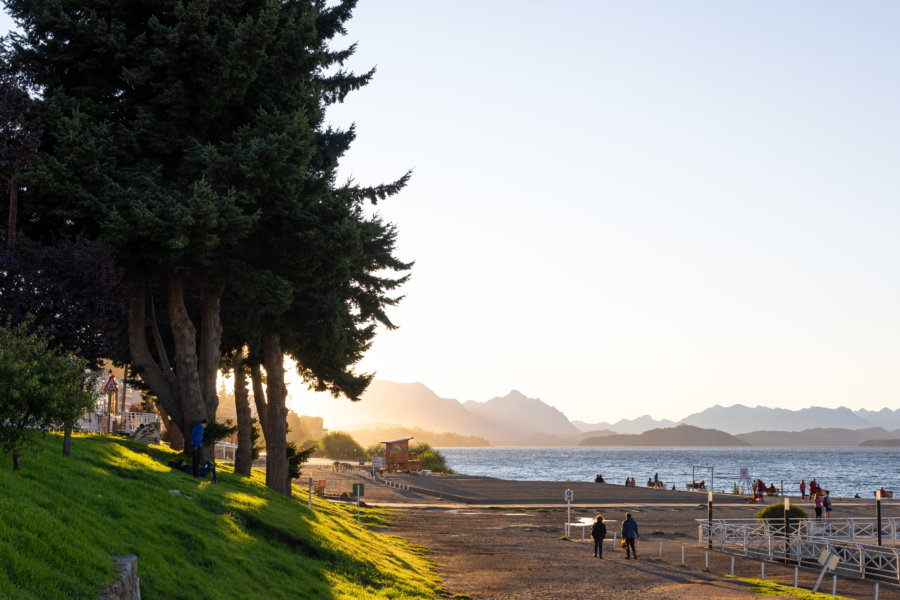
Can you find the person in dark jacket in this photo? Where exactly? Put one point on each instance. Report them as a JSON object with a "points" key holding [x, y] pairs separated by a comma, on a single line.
{"points": [[598, 532], [197, 445], [629, 534]]}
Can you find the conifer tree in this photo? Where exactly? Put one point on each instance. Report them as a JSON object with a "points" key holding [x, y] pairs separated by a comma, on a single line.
{"points": [[190, 136]]}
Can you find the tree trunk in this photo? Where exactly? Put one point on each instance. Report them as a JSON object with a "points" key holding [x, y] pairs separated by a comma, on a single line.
{"points": [[13, 209], [187, 371], [176, 439], [259, 396], [243, 458], [157, 375], [67, 440], [277, 473]]}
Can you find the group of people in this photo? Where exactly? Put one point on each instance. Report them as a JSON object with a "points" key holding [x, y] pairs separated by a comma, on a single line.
{"points": [[629, 535], [195, 468], [821, 497]]}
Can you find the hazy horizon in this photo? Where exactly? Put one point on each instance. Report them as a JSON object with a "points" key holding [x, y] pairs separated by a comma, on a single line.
{"points": [[635, 208]]}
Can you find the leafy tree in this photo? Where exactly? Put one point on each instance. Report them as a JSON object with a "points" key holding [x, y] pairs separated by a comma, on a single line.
{"points": [[72, 292], [340, 445], [71, 289], [41, 388]]}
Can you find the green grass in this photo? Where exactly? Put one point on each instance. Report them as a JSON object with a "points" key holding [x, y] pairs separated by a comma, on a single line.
{"points": [[770, 588], [62, 521]]}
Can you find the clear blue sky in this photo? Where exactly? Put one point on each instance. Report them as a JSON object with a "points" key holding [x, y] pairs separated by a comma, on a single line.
{"points": [[636, 207]]}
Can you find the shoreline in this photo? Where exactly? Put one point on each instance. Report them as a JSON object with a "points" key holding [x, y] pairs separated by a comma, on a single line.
{"points": [[497, 549]]}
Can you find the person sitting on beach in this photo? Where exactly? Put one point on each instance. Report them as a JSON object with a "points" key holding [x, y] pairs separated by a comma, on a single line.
{"points": [[650, 483], [771, 490], [598, 478], [883, 492]]}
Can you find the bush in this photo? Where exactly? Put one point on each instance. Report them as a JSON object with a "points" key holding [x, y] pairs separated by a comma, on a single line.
{"points": [[341, 445], [430, 459], [374, 450], [776, 511]]}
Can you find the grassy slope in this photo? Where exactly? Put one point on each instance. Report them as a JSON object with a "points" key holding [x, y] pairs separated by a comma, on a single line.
{"points": [[61, 521]]}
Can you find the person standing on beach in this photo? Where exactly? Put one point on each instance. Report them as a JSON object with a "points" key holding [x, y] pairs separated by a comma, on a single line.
{"points": [[826, 502], [598, 532], [629, 534], [197, 445], [817, 499], [803, 489]]}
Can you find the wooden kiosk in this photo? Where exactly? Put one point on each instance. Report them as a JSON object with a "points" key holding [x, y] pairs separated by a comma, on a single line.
{"points": [[397, 457]]}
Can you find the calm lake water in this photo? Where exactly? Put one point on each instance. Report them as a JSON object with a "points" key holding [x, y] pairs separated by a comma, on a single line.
{"points": [[843, 471]]}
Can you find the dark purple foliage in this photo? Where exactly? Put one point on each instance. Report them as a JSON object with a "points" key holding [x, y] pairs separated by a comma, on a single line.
{"points": [[73, 290]]}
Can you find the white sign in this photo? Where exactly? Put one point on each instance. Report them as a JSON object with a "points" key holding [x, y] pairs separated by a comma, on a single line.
{"points": [[569, 496], [378, 462]]}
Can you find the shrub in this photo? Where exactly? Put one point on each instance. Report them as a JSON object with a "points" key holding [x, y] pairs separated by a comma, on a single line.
{"points": [[430, 459], [776, 511], [340, 445]]}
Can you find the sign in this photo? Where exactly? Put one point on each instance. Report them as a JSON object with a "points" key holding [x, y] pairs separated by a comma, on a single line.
{"points": [[111, 385], [829, 560], [378, 462], [358, 489], [569, 496]]}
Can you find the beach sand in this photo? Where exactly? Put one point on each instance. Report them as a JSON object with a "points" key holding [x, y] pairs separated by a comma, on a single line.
{"points": [[505, 543]]}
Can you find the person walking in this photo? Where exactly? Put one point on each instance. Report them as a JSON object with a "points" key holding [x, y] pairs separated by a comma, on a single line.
{"points": [[803, 489], [197, 445], [826, 503], [630, 534], [817, 499], [598, 532]]}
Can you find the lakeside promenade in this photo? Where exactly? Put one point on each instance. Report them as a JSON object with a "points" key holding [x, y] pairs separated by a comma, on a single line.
{"points": [[507, 542]]}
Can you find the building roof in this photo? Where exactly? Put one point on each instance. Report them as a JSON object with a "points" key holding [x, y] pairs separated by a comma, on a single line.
{"points": [[397, 440]]}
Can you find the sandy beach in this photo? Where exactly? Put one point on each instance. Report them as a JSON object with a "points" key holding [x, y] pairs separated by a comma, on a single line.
{"points": [[505, 540]]}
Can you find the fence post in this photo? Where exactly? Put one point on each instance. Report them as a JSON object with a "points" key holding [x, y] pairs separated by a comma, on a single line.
{"points": [[834, 586], [762, 570], [682, 556], [732, 566]]}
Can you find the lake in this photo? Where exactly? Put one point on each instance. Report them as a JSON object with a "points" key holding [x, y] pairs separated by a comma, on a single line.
{"points": [[843, 471]]}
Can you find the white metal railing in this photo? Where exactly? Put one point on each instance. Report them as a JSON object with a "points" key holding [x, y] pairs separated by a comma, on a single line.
{"points": [[225, 451], [807, 538], [117, 422]]}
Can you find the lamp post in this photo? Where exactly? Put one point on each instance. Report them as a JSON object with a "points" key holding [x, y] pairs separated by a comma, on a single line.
{"points": [[787, 528], [878, 514], [709, 506]]}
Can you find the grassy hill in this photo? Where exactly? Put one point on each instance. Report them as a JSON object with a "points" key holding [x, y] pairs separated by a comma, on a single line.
{"points": [[62, 521]]}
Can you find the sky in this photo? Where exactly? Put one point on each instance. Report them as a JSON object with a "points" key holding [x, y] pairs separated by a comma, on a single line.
{"points": [[628, 208]]}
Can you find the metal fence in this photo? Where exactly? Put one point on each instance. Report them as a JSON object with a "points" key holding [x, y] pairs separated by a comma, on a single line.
{"points": [[851, 540]]}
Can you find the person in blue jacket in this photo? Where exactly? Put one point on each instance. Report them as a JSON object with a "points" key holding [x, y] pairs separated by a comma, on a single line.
{"points": [[197, 445], [629, 534]]}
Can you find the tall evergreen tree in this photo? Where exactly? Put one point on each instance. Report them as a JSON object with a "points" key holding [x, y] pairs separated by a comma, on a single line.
{"points": [[190, 136]]}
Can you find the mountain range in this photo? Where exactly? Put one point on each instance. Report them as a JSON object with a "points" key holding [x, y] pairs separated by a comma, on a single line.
{"points": [[517, 419]]}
